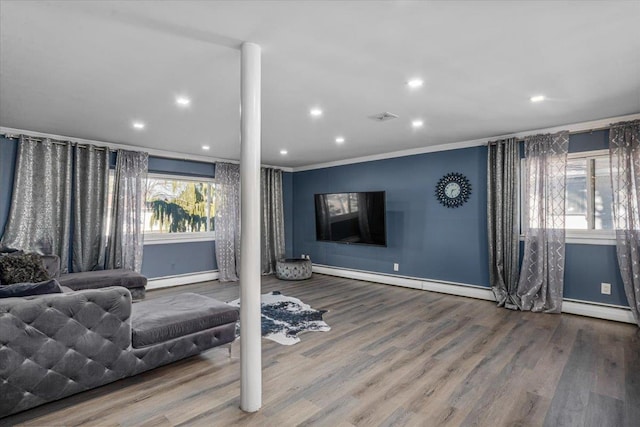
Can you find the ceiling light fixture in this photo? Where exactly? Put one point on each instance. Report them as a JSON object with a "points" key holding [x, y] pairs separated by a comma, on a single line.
{"points": [[138, 125], [417, 123], [183, 101], [283, 152], [205, 147], [415, 83], [537, 98], [339, 140], [315, 112]]}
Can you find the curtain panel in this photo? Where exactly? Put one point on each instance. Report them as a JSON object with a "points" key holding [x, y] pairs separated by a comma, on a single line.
{"points": [[227, 221], [40, 215], [503, 172], [624, 150], [540, 287], [126, 224], [90, 197], [272, 236]]}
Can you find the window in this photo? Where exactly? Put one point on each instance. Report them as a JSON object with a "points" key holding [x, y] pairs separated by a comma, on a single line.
{"points": [[178, 208], [589, 199]]}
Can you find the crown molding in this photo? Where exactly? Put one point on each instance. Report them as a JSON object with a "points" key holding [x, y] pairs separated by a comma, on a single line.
{"points": [[575, 128], [152, 151]]}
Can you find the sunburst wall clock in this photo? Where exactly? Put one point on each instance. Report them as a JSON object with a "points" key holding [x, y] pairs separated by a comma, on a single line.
{"points": [[453, 190]]}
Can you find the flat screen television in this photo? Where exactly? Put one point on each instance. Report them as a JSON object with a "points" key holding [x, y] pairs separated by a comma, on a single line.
{"points": [[352, 218]]}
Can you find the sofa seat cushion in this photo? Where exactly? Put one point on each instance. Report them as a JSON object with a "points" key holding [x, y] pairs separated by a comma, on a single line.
{"points": [[166, 318], [103, 279]]}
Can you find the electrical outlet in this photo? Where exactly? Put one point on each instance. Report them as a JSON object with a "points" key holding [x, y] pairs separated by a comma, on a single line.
{"points": [[396, 266], [303, 256], [605, 288]]}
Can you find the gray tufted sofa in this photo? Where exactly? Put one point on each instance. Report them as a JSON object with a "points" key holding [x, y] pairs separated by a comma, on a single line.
{"points": [[56, 345]]}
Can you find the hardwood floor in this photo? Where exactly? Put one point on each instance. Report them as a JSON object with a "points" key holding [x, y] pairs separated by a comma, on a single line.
{"points": [[394, 356]]}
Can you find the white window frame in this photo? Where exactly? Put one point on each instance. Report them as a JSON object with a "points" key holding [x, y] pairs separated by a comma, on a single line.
{"points": [[188, 237], [575, 236]]}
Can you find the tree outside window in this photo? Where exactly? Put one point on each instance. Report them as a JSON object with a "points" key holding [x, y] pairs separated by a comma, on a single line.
{"points": [[179, 205]]}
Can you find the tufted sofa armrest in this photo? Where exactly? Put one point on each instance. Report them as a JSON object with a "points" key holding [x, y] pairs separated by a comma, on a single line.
{"points": [[55, 345]]}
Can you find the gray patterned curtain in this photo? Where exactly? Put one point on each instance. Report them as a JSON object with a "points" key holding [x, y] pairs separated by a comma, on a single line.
{"points": [[90, 196], [227, 222], [624, 148], [542, 276], [40, 216], [125, 236], [272, 219], [503, 171]]}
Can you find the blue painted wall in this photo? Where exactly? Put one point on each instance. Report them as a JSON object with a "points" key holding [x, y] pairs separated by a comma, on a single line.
{"points": [[425, 238], [178, 258], [586, 266], [181, 167], [591, 141], [428, 240]]}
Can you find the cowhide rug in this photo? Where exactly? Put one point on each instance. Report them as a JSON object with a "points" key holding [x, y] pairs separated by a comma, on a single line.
{"points": [[283, 318]]}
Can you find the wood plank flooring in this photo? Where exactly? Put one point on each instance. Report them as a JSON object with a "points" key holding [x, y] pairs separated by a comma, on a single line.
{"points": [[394, 357]]}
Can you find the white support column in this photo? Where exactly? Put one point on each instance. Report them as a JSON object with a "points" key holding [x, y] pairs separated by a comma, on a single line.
{"points": [[250, 340]]}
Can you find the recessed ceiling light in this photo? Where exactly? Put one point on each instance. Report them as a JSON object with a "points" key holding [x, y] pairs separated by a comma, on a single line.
{"points": [[415, 83], [537, 98], [315, 112], [138, 125], [417, 123], [283, 152], [183, 101], [205, 147], [339, 140]]}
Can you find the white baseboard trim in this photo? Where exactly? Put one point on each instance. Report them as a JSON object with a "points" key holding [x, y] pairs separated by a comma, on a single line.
{"points": [[453, 288], [181, 279], [588, 309], [598, 311]]}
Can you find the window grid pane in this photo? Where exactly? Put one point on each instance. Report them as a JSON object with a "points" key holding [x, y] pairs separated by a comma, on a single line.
{"points": [[603, 196], [576, 202]]}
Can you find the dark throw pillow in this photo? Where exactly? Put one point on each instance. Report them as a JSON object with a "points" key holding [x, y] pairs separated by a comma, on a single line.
{"points": [[29, 289], [22, 268]]}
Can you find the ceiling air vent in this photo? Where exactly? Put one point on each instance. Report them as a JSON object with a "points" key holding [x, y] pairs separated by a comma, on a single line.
{"points": [[383, 117]]}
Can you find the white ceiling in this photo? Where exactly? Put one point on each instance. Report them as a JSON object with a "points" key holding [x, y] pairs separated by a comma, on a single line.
{"points": [[88, 69]]}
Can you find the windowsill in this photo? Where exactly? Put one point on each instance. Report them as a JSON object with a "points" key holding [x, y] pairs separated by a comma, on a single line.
{"points": [[577, 237], [168, 239]]}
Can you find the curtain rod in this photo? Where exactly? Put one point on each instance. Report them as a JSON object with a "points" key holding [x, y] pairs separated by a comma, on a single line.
{"points": [[56, 141], [570, 133]]}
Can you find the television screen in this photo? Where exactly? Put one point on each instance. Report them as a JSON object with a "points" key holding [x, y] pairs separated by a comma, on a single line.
{"points": [[351, 218]]}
